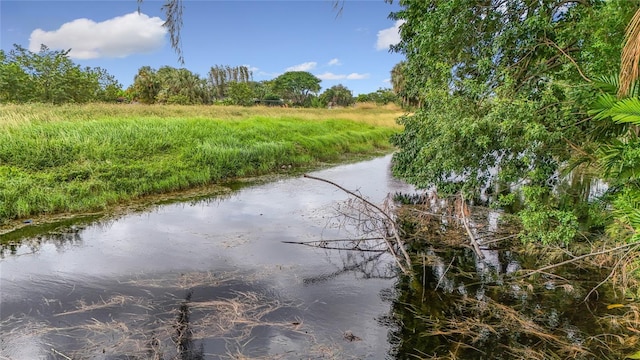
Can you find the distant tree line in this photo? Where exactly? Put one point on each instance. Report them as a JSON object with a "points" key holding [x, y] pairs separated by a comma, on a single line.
{"points": [[50, 76]]}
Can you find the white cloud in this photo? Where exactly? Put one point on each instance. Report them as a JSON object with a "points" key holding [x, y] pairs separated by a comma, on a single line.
{"points": [[269, 74], [332, 76], [133, 33], [303, 67], [387, 81], [334, 61], [389, 36], [356, 76]]}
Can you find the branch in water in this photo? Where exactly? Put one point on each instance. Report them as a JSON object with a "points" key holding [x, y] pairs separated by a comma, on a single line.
{"points": [[405, 265]]}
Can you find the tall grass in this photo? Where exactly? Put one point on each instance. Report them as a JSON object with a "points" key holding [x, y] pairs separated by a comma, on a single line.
{"points": [[365, 113], [86, 158]]}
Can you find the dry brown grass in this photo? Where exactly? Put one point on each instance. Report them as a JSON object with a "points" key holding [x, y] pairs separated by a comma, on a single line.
{"points": [[147, 327], [115, 301], [15, 115]]}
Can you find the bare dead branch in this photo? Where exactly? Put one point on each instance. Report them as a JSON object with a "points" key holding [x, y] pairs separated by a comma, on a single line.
{"points": [[612, 273], [332, 240], [403, 264], [320, 245], [465, 222]]}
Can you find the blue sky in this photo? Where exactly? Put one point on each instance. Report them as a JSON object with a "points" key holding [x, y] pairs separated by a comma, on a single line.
{"points": [[270, 37]]}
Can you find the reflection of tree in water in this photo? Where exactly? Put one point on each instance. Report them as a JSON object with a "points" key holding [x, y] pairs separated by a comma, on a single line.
{"points": [[62, 234], [59, 239], [368, 266], [32, 237], [457, 306], [183, 337]]}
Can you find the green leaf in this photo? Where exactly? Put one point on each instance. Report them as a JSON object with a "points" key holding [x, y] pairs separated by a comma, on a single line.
{"points": [[635, 355], [626, 111]]}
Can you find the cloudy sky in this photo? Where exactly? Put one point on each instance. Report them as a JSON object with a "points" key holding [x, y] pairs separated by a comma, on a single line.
{"points": [[270, 37]]}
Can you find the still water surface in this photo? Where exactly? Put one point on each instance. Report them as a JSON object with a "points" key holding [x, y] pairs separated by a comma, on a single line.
{"points": [[205, 279]]}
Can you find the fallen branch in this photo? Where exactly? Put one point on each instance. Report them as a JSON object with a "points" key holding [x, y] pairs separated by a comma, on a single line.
{"points": [[465, 222], [318, 244], [493, 241], [332, 240], [56, 352], [405, 266]]}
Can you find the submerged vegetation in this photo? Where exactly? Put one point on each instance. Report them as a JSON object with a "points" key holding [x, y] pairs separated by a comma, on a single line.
{"points": [[520, 301], [87, 158], [168, 321]]}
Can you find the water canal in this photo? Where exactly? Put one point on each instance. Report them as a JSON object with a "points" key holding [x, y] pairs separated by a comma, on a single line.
{"points": [[218, 278], [210, 279]]}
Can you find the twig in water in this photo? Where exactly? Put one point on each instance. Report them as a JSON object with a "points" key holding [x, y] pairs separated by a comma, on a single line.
{"points": [[321, 246], [492, 241], [331, 240], [444, 273], [61, 354], [405, 265], [465, 222]]}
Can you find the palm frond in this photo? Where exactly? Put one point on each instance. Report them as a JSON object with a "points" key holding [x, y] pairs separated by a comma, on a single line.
{"points": [[606, 83], [625, 111], [602, 106], [610, 84], [626, 210], [620, 160]]}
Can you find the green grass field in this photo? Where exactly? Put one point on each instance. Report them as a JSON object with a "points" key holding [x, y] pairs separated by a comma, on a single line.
{"points": [[73, 159]]}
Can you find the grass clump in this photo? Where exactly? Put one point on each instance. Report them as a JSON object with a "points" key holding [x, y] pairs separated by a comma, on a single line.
{"points": [[86, 158]]}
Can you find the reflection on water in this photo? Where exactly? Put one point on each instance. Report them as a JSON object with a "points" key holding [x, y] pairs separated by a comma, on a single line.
{"points": [[30, 239], [378, 266], [183, 337], [461, 307], [203, 279]]}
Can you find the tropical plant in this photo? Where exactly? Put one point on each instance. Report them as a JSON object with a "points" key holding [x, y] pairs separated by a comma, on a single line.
{"points": [[146, 85], [182, 86], [381, 96], [241, 93], [15, 84], [399, 86], [618, 154], [262, 89]]}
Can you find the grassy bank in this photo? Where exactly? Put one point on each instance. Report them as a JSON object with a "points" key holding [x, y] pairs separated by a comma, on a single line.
{"points": [[86, 158]]}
